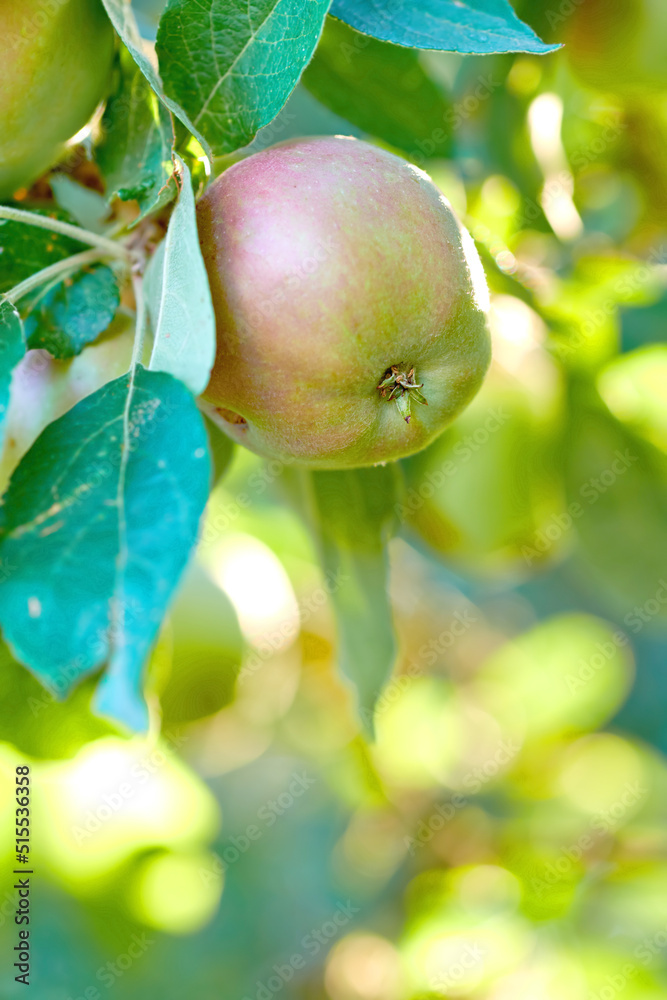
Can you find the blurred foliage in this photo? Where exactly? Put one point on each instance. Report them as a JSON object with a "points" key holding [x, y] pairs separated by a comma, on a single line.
{"points": [[503, 838]]}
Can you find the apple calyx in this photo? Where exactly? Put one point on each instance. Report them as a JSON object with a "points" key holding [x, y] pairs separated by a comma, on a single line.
{"points": [[403, 388], [230, 416]]}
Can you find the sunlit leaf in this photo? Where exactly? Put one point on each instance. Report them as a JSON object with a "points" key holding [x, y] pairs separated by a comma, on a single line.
{"points": [[123, 19], [231, 66], [179, 298], [472, 26], [137, 138]]}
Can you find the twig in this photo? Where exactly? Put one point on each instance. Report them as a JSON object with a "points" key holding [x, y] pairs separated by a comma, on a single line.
{"points": [[56, 270], [110, 247]]}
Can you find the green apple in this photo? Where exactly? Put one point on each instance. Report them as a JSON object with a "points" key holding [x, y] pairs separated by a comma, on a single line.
{"points": [[56, 61], [351, 305]]}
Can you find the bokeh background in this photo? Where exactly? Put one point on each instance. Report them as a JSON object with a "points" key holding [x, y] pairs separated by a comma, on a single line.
{"points": [[505, 836]]}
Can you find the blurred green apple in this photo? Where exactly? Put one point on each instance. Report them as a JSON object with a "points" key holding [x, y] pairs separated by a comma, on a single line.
{"points": [[56, 61], [207, 648]]}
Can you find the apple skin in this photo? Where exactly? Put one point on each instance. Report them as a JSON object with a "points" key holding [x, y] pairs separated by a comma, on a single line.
{"points": [[56, 65], [331, 260]]}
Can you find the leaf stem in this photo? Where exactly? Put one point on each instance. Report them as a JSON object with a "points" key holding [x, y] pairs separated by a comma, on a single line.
{"points": [[140, 329], [110, 247], [52, 271]]}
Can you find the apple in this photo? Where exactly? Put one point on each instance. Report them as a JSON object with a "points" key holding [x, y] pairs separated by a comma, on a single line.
{"points": [[56, 63], [351, 305]]}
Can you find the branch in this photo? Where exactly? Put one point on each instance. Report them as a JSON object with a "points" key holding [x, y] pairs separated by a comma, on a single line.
{"points": [[56, 270]]}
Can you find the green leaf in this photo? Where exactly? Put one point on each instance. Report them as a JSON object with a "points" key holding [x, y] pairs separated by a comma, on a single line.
{"points": [[123, 20], [135, 152], [96, 528], [72, 313], [352, 516], [179, 298], [12, 349], [381, 88], [27, 249], [232, 66], [469, 26]]}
